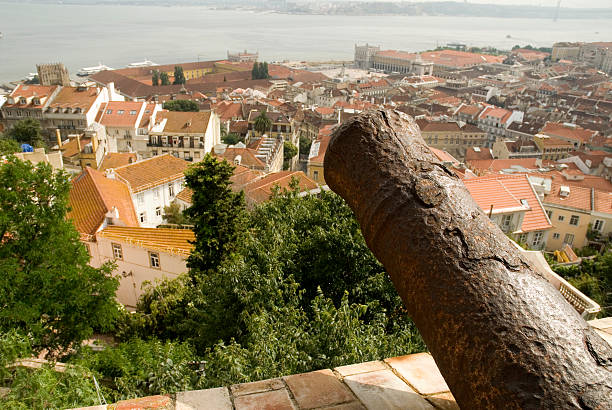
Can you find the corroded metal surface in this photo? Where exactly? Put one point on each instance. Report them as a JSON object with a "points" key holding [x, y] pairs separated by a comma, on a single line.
{"points": [[501, 335]]}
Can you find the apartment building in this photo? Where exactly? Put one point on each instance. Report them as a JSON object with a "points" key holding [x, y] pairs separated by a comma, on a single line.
{"points": [[553, 148], [27, 101], [451, 136], [512, 204], [153, 184], [186, 135], [141, 255]]}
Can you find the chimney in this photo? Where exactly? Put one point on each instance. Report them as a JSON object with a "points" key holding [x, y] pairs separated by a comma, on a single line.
{"points": [[78, 139], [58, 134], [111, 90]]}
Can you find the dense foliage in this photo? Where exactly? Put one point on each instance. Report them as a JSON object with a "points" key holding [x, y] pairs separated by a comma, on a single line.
{"points": [[26, 131], [181, 105], [164, 78], [289, 151], [155, 78], [286, 288], [47, 288], [593, 277], [262, 123], [179, 75]]}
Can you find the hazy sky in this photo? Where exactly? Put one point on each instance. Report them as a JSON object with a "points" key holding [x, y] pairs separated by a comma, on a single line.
{"points": [[550, 3]]}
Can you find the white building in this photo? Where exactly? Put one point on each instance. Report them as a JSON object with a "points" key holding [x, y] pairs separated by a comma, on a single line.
{"points": [[141, 255], [187, 135], [153, 184]]}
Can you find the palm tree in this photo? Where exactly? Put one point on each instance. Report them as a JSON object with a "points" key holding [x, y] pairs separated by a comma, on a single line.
{"points": [[262, 123]]}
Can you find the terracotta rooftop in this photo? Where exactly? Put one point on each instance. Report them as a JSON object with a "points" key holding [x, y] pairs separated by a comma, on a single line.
{"points": [[579, 197], [247, 157], [71, 148], [176, 241], [29, 91], [117, 159], [227, 110], [454, 58], [401, 55], [472, 110], [430, 126], [75, 97], [184, 122], [319, 146], [478, 153], [260, 190], [92, 196], [506, 192], [120, 114], [152, 172], [602, 201], [559, 130], [495, 112]]}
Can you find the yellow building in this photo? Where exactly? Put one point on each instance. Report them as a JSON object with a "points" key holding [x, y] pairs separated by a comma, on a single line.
{"points": [[569, 210], [317, 155], [451, 137], [553, 148]]}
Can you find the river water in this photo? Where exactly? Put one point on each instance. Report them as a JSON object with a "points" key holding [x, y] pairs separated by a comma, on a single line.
{"points": [[83, 35]]}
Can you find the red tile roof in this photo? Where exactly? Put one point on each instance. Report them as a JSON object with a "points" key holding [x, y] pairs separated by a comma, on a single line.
{"points": [[75, 97], [29, 91], [560, 130], [117, 159], [401, 55], [505, 193], [579, 197], [175, 241], [602, 201], [93, 195], [261, 189], [454, 58], [151, 172], [123, 114]]}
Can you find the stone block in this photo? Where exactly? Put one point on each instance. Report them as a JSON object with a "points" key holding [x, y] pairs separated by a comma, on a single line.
{"points": [[420, 371], [272, 400], [211, 399], [382, 389], [444, 401], [360, 368], [144, 403], [318, 389], [257, 387]]}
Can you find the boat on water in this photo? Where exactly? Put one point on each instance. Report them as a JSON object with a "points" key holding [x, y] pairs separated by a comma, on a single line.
{"points": [[87, 71], [145, 63]]}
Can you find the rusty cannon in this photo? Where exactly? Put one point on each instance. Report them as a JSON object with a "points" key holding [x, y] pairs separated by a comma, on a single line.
{"points": [[501, 335]]}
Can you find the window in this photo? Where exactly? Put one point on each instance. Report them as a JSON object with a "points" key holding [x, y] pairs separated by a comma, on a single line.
{"points": [[120, 112], [141, 198], [315, 175], [117, 251], [561, 218], [549, 213], [598, 225], [506, 219], [574, 220], [154, 259], [171, 190], [556, 236], [109, 111], [158, 211], [142, 217], [569, 239], [132, 112], [537, 238]]}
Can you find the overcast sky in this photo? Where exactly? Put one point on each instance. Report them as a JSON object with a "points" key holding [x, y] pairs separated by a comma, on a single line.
{"points": [[550, 3]]}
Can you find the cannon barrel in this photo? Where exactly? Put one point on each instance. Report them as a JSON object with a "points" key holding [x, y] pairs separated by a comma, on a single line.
{"points": [[501, 335]]}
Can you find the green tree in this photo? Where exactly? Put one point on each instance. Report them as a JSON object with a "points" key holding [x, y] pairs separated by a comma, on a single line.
{"points": [[181, 105], [155, 78], [164, 78], [255, 71], [264, 71], [232, 138], [173, 214], [27, 131], [47, 288], [304, 145], [179, 76], [218, 214], [8, 146], [593, 277], [289, 151], [262, 123]]}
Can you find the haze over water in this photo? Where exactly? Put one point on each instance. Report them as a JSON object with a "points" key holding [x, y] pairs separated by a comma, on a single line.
{"points": [[83, 35]]}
